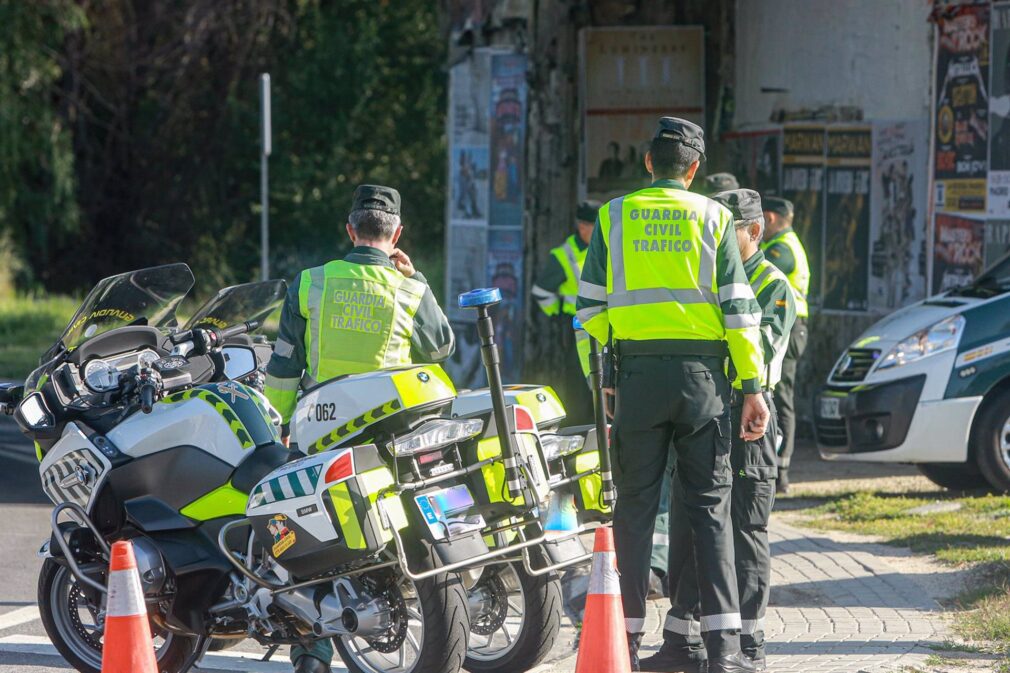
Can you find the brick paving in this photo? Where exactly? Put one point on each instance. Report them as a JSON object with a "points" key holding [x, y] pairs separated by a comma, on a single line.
{"points": [[836, 607]]}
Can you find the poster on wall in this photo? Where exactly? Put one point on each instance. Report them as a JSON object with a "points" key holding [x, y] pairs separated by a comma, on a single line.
{"points": [[508, 125], [999, 113], [962, 110], [755, 158], [632, 76], [468, 191], [468, 245], [469, 89], [997, 241], [847, 220], [803, 157], [898, 200], [504, 271], [957, 251]]}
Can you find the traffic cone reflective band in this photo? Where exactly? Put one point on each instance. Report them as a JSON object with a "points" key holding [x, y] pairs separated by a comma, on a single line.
{"points": [[603, 645], [127, 646]]}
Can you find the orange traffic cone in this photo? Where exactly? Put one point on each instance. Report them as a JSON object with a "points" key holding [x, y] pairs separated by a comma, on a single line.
{"points": [[127, 647], [603, 645]]}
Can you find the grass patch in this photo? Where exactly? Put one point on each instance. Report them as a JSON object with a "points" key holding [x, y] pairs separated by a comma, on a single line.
{"points": [[28, 327], [979, 532]]}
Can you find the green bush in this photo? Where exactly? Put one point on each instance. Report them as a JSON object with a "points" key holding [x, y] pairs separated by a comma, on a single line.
{"points": [[28, 327]]}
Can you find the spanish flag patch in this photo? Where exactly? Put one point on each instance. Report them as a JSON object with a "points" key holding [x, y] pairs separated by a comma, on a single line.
{"points": [[780, 302]]}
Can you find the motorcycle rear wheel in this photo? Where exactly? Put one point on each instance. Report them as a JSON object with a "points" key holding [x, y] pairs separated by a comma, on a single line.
{"points": [[75, 626]]}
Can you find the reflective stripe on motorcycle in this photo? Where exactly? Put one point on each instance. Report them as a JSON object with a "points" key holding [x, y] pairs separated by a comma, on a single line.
{"points": [[354, 426], [223, 408], [291, 485], [224, 501], [343, 509]]}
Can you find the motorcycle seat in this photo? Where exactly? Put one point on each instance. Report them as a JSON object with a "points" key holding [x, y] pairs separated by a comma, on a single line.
{"points": [[262, 461]]}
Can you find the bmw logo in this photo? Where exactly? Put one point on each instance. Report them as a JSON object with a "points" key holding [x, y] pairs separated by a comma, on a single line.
{"points": [[423, 377], [541, 397]]}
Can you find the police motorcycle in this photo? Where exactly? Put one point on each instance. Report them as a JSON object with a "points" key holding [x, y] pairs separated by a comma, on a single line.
{"points": [[143, 433]]}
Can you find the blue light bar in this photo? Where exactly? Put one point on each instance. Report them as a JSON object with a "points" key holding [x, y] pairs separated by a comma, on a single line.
{"points": [[576, 323], [485, 296]]}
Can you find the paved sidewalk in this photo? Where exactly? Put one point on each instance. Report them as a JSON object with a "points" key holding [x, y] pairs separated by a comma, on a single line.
{"points": [[837, 607]]}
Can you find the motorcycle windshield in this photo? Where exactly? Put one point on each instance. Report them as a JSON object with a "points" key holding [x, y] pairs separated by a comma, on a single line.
{"points": [[146, 297], [240, 303]]}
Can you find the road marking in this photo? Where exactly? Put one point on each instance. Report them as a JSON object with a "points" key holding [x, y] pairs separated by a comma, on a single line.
{"points": [[19, 456], [246, 662], [18, 617]]}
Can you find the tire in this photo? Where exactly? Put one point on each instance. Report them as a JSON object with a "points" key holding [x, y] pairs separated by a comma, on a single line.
{"points": [[440, 604], [56, 586], [955, 476], [991, 441], [536, 629]]}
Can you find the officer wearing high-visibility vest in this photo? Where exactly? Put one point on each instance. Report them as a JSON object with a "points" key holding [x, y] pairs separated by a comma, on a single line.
{"points": [[782, 247], [554, 291], [754, 470], [364, 312], [659, 581], [663, 275]]}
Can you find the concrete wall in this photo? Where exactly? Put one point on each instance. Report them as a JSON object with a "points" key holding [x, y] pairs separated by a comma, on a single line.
{"points": [[871, 54]]}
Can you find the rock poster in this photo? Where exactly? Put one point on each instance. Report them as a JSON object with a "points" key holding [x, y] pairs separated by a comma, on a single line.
{"points": [[484, 233], [755, 158], [898, 217], [803, 157], [632, 76], [999, 114], [962, 110], [847, 218], [958, 251]]}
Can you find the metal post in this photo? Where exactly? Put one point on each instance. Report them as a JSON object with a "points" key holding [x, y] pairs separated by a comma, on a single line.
{"points": [[602, 436], [266, 142]]}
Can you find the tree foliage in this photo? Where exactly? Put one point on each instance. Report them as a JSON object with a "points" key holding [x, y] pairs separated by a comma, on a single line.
{"points": [[144, 120]]}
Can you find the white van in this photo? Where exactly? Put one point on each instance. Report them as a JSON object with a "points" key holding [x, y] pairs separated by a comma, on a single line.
{"points": [[929, 384]]}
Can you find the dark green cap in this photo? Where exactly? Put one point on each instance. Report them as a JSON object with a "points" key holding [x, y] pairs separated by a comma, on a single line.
{"points": [[778, 205], [719, 182], [683, 132], [376, 197], [745, 204], [587, 210]]}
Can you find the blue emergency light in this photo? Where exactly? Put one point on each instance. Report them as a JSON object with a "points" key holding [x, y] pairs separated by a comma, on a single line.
{"points": [[576, 323], [485, 296]]}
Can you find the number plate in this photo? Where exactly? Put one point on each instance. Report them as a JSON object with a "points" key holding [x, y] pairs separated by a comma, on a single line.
{"points": [[831, 407], [449, 512]]}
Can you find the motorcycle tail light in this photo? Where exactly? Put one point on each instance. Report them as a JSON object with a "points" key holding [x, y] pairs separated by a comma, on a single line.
{"points": [[524, 420], [341, 468]]}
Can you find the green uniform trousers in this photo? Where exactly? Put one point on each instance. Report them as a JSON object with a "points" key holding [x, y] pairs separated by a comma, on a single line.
{"points": [[666, 405], [321, 650], [754, 472], [785, 390]]}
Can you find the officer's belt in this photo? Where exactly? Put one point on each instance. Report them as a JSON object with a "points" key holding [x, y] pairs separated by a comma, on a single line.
{"points": [[695, 347]]}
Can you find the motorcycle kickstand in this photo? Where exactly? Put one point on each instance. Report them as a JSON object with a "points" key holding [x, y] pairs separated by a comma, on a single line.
{"points": [[202, 645], [270, 652]]}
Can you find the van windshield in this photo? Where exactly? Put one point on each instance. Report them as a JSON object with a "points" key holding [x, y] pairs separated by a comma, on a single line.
{"points": [[993, 281]]}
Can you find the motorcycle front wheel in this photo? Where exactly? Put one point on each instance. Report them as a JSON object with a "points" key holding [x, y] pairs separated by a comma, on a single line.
{"points": [[76, 626], [515, 619], [429, 630]]}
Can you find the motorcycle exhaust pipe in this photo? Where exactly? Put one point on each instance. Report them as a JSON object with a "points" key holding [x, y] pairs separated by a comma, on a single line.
{"points": [[482, 300]]}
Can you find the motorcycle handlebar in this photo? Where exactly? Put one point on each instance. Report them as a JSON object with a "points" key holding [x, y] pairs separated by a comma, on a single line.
{"points": [[147, 393], [216, 336], [235, 330]]}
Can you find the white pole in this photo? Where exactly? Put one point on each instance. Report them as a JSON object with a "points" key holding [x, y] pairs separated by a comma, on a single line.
{"points": [[265, 144]]}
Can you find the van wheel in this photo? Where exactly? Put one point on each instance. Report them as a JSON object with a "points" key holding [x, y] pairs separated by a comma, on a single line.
{"points": [[955, 476], [991, 438]]}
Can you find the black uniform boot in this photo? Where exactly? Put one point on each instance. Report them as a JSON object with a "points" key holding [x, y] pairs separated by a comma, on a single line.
{"points": [[759, 661], [634, 642], [782, 483], [733, 663], [674, 660], [309, 664]]}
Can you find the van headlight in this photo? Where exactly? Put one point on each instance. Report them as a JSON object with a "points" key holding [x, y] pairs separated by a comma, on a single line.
{"points": [[556, 446], [436, 434], [937, 338]]}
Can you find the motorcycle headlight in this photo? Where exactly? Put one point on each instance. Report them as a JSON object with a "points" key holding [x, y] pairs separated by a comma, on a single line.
{"points": [[436, 434], [943, 336], [556, 446], [100, 376]]}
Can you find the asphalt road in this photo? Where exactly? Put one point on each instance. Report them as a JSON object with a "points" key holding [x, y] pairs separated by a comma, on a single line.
{"points": [[24, 526]]}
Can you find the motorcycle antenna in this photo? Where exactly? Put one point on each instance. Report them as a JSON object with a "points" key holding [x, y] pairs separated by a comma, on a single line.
{"points": [[266, 142]]}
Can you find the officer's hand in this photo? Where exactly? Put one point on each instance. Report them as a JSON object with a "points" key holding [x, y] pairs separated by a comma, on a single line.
{"points": [[754, 418], [402, 263], [608, 402]]}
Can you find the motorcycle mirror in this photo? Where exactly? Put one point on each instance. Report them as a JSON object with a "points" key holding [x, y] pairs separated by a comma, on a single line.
{"points": [[239, 361], [11, 393]]}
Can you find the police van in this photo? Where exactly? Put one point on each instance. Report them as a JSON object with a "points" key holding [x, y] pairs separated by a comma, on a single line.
{"points": [[930, 385]]}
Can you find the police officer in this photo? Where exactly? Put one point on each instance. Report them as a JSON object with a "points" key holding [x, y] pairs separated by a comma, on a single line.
{"points": [[754, 469], [782, 247], [664, 275], [367, 311], [555, 291]]}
